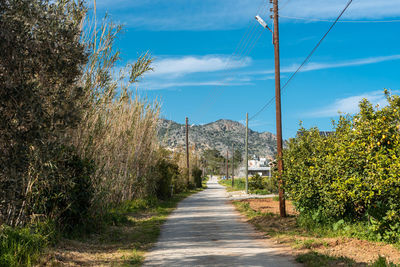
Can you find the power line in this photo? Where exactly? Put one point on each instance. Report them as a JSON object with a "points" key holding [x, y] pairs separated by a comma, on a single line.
{"points": [[262, 109], [342, 21], [284, 5], [244, 47], [218, 93], [318, 44], [305, 60]]}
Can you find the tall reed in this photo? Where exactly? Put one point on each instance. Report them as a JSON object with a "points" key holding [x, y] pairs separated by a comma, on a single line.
{"points": [[118, 129]]}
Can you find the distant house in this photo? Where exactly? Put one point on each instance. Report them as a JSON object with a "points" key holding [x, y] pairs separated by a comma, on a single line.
{"points": [[258, 162], [263, 171], [257, 165]]}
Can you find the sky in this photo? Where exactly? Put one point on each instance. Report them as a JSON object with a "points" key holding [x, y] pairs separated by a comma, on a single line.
{"points": [[212, 60]]}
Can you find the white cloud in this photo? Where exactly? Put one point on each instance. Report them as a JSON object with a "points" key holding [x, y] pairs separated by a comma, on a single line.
{"points": [[210, 70], [356, 62], [331, 65], [328, 9], [172, 72], [176, 15], [349, 105], [158, 85], [174, 67]]}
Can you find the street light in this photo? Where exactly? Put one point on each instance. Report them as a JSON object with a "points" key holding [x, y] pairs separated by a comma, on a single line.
{"points": [[263, 23]]}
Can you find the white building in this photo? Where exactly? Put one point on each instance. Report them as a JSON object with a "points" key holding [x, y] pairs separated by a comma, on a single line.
{"points": [[257, 165]]}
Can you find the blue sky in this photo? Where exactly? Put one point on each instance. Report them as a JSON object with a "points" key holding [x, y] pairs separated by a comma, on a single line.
{"points": [[197, 74]]}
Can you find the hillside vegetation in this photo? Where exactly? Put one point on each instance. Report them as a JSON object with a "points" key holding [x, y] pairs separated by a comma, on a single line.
{"points": [[219, 135]]}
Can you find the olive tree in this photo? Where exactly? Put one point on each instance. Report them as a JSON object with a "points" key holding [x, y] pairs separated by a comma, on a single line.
{"points": [[41, 59]]}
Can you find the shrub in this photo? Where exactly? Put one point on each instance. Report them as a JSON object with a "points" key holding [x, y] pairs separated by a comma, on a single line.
{"points": [[352, 174], [65, 194], [271, 184], [256, 182], [196, 174], [167, 174]]}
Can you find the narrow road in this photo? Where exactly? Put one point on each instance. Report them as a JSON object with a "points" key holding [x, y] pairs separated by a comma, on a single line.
{"points": [[205, 230]]}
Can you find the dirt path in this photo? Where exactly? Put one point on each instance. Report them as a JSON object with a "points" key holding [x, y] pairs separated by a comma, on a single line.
{"points": [[205, 230]]}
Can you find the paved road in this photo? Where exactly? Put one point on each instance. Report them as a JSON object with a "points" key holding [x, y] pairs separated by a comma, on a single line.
{"points": [[205, 230]]}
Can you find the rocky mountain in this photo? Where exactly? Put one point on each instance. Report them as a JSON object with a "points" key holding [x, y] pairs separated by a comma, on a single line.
{"points": [[219, 135]]}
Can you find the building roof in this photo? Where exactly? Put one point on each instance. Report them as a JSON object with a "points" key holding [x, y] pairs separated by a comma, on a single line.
{"points": [[259, 168]]}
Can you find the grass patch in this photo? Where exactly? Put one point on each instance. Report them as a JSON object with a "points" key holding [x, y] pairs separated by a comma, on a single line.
{"points": [[135, 259], [383, 262], [314, 259], [309, 243], [240, 185], [23, 246]]}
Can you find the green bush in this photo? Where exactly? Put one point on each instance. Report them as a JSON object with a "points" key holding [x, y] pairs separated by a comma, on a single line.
{"points": [[352, 174], [256, 182], [196, 174], [240, 183], [22, 246], [271, 184], [166, 172], [263, 185], [66, 193]]}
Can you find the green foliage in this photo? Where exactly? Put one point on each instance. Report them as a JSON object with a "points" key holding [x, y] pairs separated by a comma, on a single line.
{"points": [[167, 174], [213, 160], [351, 175], [263, 185], [315, 259], [196, 174], [240, 184], [382, 262], [271, 185], [22, 246], [73, 140], [65, 195], [256, 182], [41, 59]]}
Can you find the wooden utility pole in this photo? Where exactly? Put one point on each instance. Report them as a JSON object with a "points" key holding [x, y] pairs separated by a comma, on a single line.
{"points": [[227, 170], [246, 158], [187, 149], [282, 208], [195, 156], [233, 161]]}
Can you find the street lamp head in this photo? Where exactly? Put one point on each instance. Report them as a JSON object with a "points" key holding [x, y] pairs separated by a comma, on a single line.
{"points": [[262, 22]]}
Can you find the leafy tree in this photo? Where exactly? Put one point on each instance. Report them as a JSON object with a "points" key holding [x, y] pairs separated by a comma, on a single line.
{"points": [[41, 59], [197, 175], [353, 174], [213, 160]]}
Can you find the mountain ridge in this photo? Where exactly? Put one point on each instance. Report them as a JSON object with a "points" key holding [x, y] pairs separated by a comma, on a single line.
{"points": [[220, 134]]}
